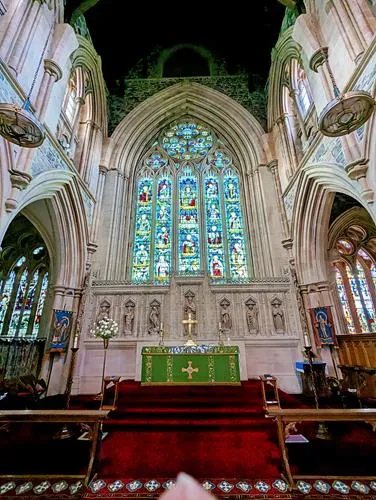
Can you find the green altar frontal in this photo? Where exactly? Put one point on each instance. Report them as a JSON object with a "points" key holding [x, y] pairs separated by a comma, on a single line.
{"points": [[190, 365]]}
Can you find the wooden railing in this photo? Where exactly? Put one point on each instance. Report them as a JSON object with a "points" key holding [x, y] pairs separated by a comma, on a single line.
{"points": [[94, 418], [285, 418], [358, 351]]}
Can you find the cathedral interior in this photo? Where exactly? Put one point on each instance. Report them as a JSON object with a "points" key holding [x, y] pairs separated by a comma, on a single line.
{"points": [[203, 183]]}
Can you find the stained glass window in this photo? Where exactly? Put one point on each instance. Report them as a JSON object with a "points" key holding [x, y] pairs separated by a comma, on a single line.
{"points": [[23, 295], [359, 279], [344, 301], [188, 209]]}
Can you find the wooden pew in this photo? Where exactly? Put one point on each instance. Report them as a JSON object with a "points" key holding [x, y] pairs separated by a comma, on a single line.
{"points": [[291, 416], [94, 418]]}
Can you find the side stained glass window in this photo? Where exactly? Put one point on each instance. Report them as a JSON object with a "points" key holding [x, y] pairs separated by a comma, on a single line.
{"points": [[6, 296], [40, 305], [188, 209], [365, 291], [188, 225], [344, 301]]}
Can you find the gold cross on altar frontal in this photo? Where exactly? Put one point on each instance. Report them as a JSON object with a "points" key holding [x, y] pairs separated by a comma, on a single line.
{"points": [[189, 370]]}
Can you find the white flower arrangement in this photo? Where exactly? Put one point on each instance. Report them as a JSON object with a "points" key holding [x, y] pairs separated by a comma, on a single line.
{"points": [[106, 328]]}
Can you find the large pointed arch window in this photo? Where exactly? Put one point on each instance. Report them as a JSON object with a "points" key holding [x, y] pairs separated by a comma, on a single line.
{"points": [[355, 279], [188, 209]]}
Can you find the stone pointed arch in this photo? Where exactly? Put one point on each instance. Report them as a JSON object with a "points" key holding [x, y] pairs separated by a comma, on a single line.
{"points": [[220, 112], [54, 204], [310, 222]]}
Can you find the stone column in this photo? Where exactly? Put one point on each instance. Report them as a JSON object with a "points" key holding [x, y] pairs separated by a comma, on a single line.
{"points": [[52, 74], [98, 205], [287, 145], [273, 167], [318, 64], [357, 171]]}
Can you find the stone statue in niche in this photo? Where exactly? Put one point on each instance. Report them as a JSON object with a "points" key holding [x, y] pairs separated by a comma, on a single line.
{"points": [[190, 310], [104, 311], [252, 316], [154, 325], [278, 316], [129, 317], [225, 314]]}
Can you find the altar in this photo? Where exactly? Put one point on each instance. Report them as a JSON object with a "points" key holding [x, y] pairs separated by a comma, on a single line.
{"points": [[190, 365]]}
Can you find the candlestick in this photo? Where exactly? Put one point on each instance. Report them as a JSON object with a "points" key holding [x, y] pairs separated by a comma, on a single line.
{"points": [[307, 340], [76, 341]]}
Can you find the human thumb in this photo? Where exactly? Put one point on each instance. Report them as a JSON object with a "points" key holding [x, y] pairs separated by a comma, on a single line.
{"points": [[186, 488]]}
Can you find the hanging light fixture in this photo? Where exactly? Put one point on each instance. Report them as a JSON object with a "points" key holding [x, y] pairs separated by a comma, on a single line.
{"points": [[346, 112], [17, 123]]}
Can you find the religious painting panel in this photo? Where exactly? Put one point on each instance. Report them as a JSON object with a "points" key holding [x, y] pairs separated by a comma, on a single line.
{"points": [[235, 228], [61, 328], [214, 227], [163, 228], [323, 326], [188, 225], [142, 243]]}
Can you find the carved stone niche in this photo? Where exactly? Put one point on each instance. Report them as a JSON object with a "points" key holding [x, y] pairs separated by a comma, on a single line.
{"points": [[252, 316], [104, 310], [154, 318], [278, 315], [225, 316], [129, 317]]}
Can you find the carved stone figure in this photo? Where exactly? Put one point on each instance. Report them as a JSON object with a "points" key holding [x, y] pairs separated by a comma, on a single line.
{"points": [[190, 306], [252, 316], [104, 311], [129, 317], [226, 319], [278, 316], [154, 318]]}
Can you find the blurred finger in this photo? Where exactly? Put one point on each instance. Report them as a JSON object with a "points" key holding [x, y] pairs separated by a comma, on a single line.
{"points": [[186, 489]]}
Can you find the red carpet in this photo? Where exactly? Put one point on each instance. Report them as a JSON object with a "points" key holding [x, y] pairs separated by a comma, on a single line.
{"points": [[204, 431]]}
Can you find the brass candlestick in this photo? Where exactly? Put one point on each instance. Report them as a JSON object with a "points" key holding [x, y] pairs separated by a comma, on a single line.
{"points": [[100, 396]]}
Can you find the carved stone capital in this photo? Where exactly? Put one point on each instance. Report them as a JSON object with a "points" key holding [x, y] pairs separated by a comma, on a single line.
{"points": [[287, 243], [20, 180], [318, 58], [273, 166], [53, 69], [357, 170], [103, 169]]}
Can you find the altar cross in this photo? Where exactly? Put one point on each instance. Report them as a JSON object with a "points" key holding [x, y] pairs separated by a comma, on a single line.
{"points": [[189, 370], [190, 322]]}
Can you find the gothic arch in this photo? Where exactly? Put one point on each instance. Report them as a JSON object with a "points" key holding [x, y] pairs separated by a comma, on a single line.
{"points": [[223, 114], [309, 227], [67, 235], [285, 50]]}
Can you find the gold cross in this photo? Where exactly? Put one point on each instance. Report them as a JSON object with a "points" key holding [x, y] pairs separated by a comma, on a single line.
{"points": [[190, 322], [189, 370]]}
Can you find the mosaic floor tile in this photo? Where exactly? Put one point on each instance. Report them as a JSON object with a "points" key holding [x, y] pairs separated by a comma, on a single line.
{"points": [[23, 488], [280, 485], [244, 486], [59, 487], [42, 487], [303, 487], [225, 486], [262, 486], [208, 485], [341, 487], [133, 486], [321, 486], [7, 487], [97, 485], [75, 487], [115, 486], [152, 485], [168, 485], [360, 487]]}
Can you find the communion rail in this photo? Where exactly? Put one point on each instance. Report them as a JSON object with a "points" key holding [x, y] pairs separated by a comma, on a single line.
{"points": [[94, 418], [287, 418]]}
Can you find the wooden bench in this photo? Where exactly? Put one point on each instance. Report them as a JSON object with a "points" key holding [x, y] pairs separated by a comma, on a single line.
{"points": [[94, 418], [287, 417]]}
